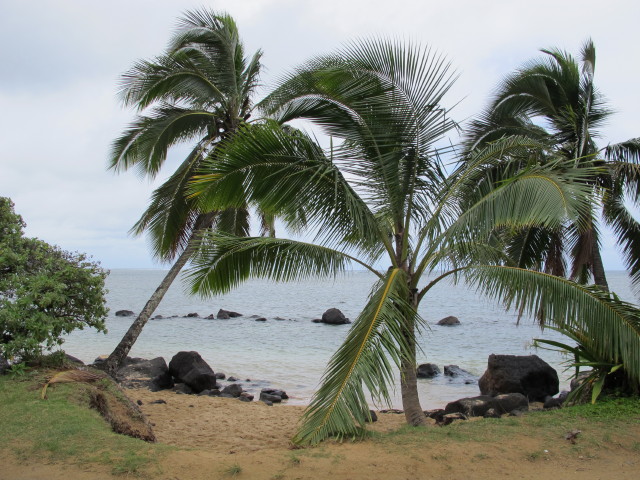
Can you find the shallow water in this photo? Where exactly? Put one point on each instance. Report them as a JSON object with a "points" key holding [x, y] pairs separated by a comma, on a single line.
{"points": [[292, 353]]}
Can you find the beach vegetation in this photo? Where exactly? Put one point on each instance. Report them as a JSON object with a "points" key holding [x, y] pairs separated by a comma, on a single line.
{"points": [[45, 292], [554, 100], [197, 93], [63, 429], [380, 194]]}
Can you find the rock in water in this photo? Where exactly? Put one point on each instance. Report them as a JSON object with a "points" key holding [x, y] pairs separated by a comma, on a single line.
{"points": [[427, 370], [191, 369], [528, 375], [124, 313], [449, 321], [334, 316]]}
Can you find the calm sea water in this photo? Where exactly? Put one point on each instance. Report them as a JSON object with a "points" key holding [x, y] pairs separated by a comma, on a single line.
{"points": [[292, 353]]}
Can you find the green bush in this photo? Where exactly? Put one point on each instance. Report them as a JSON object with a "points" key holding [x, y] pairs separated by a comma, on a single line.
{"points": [[45, 292]]}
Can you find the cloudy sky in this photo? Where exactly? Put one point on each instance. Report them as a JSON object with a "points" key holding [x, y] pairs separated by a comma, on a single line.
{"points": [[60, 62]]}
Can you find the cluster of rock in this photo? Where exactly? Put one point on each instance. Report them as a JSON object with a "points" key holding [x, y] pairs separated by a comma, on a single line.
{"points": [[507, 387], [187, 373], [431, 370], [333, 316]]}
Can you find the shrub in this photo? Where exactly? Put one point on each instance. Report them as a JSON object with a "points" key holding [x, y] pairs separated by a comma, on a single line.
{"points": [[45, 292]]}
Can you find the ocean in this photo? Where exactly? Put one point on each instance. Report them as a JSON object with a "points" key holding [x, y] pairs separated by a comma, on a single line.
{"points": [[290, 352]]}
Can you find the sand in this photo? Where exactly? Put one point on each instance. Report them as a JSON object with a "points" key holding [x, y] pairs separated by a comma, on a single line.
{"points": [[218, 436]]}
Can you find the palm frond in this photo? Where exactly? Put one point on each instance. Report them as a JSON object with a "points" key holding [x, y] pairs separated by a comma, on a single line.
{"points": [[71, 376], [223, 262], [375, 344], [612, 324], [288, 174]]}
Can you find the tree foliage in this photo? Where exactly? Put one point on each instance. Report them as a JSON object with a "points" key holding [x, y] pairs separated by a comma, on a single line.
{"points": [[45, 292]]}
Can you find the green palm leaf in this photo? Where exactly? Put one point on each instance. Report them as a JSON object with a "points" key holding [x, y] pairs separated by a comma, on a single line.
{"points": [[224, 261], [340, 406], [613, 326]]}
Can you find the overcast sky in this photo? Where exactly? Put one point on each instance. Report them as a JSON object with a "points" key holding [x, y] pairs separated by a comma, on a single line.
{"points": [[60, 62]]}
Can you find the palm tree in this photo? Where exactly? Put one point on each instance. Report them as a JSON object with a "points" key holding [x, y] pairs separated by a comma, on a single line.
{"points": [[554, 99], [198, 91], [380, 196]]}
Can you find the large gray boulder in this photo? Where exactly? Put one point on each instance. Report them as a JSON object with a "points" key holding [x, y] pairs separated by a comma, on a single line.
{"points": [[139, 372], [528, 375], [189, 368]]}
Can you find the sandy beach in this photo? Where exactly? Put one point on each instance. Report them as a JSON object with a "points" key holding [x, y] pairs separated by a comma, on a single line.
{"points": [[217, 438]]}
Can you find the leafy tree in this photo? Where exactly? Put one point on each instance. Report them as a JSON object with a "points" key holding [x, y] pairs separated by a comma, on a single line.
{"points": [[380, 196], [554, 100], [199, 91], [45, 292]]}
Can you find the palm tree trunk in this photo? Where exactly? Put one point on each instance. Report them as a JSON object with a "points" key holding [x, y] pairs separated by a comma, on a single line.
{"points": [[115, 360], [599, 277], [413, 412]]}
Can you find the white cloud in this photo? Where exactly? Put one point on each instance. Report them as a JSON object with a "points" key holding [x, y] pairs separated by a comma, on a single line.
{"points": [[61, 61]]}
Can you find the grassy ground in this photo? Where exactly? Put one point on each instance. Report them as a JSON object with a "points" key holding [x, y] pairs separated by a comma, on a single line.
{"points": [[63, 429]]}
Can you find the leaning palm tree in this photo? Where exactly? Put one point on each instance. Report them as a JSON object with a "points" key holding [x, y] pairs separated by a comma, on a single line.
{"points": [[554, 99], [379, 196], [199, 91]]}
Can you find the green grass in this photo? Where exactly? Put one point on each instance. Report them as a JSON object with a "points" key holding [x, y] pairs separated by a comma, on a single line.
{"points": [[232, 470], [605, 423], [63, 429]]}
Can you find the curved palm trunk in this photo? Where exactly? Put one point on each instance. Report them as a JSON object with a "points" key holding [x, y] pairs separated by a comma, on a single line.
{"points": [[117, 357], [413, 412]]}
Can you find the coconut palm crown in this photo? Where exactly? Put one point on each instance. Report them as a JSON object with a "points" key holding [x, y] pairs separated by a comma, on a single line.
{"points": [[379, 196], [554, 99], [197, 93]]}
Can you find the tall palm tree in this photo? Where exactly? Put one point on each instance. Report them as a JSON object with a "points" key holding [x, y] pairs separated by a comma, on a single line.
{"points": [[381, 197], [199, 91], [554, 99]]}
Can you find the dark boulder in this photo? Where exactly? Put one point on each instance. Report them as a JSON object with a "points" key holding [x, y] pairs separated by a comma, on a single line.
{"points": [[372, 418], [471, 406], [273, 395], [193, 315], [163, 381], [449, 321], [509, 402], [190, 368], [456, 371], [138, 372], [210, 317], [124, 313], [234, 389], [220, 376], [261, 319], [157, 317], [492, 413], [231, 379], [529, 375], [427, 370], [182, 388], [333, 316], [480, 405], [226, 314]]}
